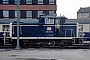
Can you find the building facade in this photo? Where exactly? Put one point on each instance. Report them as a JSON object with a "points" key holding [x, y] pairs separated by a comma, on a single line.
{"points": [[83, 12], [28, 8]]}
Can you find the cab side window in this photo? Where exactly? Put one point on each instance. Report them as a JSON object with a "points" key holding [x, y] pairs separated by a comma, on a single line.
{"points": [[49, 21], [5, 27]]}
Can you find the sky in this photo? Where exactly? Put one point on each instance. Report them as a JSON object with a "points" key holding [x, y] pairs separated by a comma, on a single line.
{"points": [[69, 8]]}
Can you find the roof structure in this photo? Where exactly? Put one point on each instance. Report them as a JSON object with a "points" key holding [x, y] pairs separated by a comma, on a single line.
{"points": [[83, 10], [7, 21], [81, 21], [58, 17]]}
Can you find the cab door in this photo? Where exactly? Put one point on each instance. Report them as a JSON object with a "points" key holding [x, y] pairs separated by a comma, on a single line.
{"points": [[68, 33]]}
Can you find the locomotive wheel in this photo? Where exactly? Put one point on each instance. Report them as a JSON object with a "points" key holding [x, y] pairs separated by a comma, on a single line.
{"points": [[39, 44], [30, 45], [66, 44], [61, 44], [53, 43], [44, 44]]}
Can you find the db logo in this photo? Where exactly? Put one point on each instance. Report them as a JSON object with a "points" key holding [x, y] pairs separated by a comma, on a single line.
{"points": [[49, 28]]}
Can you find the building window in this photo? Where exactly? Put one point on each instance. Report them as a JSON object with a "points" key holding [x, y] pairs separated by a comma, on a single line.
{"points": [[79, 14], [39, 13], [16, 1], [5, 13], [16, 13], [40, 1], [51, 1], [86, 14], [5, 2], [51, 12], [28, 1], [83, 15], [28, 14]]}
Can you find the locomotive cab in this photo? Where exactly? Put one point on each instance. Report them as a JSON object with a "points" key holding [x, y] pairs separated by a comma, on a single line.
{"points": [[52, 24], [48, 23]]}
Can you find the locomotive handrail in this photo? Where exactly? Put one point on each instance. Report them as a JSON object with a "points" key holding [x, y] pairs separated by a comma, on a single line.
{"points": [[13, 29], [4, 37], [20, 30]]}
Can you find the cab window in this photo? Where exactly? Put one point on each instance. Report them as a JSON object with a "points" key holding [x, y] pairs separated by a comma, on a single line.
{"points": [[5, 27], [49, 21]]}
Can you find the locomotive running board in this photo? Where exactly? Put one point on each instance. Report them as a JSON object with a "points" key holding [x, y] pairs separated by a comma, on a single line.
{"points": [[43, 38]]}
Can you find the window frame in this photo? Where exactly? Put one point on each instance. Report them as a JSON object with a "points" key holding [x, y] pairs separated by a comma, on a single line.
{"points": [[40, 1], [16, 13], [5, 1], [48, 20], [28, 15], [51, 2], [51, 12], [6, 13], [30, 1], [15, 1], [39, 13]]}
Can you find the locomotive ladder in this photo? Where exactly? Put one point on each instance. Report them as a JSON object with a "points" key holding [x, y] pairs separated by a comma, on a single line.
{"points": [[6, 39]]}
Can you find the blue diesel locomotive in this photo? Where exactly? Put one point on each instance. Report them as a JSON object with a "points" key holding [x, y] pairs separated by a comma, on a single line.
{"points": [[43, 33]]}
